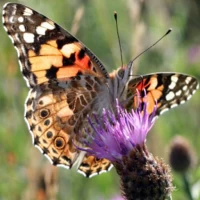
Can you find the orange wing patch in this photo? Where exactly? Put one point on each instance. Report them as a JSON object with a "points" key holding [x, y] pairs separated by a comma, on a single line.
{"points": [[92, 166], [153, 92], [45, 50], [51, 62]]}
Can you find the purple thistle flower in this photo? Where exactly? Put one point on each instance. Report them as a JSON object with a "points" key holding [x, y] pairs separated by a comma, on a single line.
{"points": [[115, 135], [120, 137]]}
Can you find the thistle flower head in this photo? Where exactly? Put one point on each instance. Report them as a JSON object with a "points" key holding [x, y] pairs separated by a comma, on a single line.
{"points": [[116, 134], [120, 137]]}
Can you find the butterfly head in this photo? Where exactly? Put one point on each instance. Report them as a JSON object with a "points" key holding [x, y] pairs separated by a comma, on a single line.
{"points": [[119, 80], [123, 73]]}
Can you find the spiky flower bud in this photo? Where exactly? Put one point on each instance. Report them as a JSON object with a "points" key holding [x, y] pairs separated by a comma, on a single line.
{"points": [[143, 176], [181, 155]]}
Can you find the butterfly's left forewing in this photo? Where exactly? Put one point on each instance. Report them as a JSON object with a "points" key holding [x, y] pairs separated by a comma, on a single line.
{"points": [[45, 50]]}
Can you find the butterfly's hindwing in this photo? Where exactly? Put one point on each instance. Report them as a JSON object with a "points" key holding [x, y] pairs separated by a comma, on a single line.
{"points": [[91, 166], [56, 112]]}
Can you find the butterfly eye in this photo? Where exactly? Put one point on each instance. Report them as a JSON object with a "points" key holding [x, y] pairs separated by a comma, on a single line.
{"points": [[120, 73]]}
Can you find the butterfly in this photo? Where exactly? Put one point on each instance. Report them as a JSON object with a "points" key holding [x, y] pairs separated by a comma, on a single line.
{"points": [[68, 82]]}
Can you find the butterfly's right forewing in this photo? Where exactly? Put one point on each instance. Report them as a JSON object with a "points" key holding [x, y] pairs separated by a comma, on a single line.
{"points": [[163, 90]]}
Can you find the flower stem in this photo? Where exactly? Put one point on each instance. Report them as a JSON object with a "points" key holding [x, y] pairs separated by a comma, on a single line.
{"points": [[187, 186]]}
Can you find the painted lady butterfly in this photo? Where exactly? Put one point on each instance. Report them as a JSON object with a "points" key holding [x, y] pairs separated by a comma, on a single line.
{"points": [[67, 82]]}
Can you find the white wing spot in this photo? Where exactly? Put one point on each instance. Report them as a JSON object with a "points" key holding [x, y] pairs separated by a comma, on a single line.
{"points": [[188, 79], [28, 12], [94, 174], [154, 118], [164, 110], [40, 30], [3, 19], [178, 93], [28, 37], [11, 19], [189, 97], [47, 25], [5, 28], [64, 166], [67, 50], [20, 19], [193, 91], [46, 156], [103, 171], [185, 87], [11, 38], [172, 85], [111, 166], [22, 28], [18, 52], [173, 105], [183, 101], [174, 78], [5, 5], [79, 171], [23, 51], [170, 96], [39, 148], [17, 38], [3, 11], [28, 85]]}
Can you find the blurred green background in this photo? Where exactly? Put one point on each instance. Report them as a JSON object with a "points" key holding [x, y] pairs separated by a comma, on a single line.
{"points": [[24, 172]]}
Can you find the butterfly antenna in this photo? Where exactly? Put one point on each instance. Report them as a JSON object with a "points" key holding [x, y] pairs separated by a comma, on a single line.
{"points": [[169, 30], [120, 47]]}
